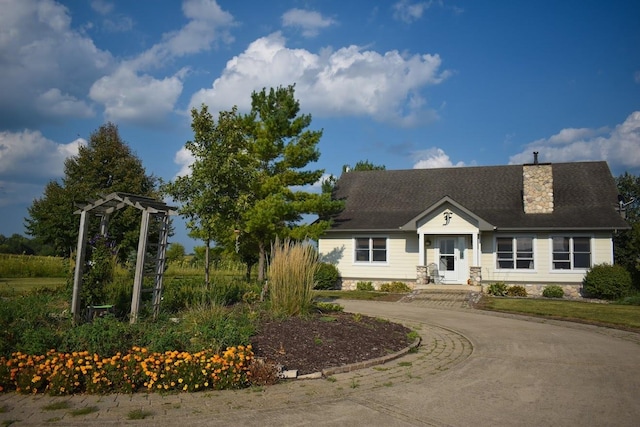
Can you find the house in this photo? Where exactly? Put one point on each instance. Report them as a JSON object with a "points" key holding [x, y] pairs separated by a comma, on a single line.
{"points": [[533, 225]]}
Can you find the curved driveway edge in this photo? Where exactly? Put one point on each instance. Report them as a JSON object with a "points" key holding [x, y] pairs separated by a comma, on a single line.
{"points": [[472, 369]]}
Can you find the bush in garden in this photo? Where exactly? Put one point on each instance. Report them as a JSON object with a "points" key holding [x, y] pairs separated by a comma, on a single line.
{"points": [[607, 281], [395, 287], [517, 291], [364, 286], [498, 289], [553, 291], [326, 276]]}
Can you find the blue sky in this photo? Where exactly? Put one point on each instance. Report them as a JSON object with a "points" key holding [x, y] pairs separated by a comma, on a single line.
{"points": [[407, 84]]}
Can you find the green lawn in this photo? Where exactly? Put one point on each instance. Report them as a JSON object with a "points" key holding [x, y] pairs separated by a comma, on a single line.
{"points": [[25, 284], [625, 316]]}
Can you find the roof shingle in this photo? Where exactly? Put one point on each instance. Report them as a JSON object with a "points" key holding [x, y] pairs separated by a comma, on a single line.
{"points": [[585, 197]]}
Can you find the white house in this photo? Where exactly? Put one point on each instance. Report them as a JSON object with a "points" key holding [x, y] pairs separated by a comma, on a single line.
{"points": [[533, 225]]}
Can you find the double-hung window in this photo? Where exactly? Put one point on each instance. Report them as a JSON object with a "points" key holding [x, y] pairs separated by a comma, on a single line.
{"points": [[371, 249], [571, 252], [514, 252]]}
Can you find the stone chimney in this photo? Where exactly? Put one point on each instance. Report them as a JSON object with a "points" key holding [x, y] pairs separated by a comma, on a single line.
{"points": [[537, 191]]}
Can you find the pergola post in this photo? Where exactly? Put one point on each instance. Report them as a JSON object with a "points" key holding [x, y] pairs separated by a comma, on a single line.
{"points": [[139, 275], [161, 258], [77, 275]]}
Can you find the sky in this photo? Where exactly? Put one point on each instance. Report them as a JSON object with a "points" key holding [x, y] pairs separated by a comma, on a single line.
{"points": [[400, 83]]}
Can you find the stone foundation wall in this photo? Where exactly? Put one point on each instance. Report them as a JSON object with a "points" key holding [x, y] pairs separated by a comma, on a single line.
{"points": [[350, 284], [571, 290]]}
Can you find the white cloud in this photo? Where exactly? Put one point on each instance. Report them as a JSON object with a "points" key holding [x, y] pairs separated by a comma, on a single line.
{"points": [[310, 22], [408, 12], [207, 24], [184, 159], [103, 7], [620, 147], [432, 158], [636, 77], [28, 155], [129, 94], [348, 82], [129, 97], [40, 52], [54, 103]]}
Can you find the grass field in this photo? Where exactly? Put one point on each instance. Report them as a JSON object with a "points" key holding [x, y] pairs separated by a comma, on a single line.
{"points": [[25, 284], [587, 312]]}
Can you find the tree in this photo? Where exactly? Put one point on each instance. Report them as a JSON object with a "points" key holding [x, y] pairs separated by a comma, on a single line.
{"points": [[105, 165], [212, 193], [281, 148], [175, 252], [627, 242], [329, 183]]}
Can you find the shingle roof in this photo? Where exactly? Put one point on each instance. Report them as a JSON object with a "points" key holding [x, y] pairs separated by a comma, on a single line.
{"points": [[585, 197]]}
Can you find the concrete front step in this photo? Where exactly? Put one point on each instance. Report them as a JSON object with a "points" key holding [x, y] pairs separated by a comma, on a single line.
{"points": [[454, 296]]}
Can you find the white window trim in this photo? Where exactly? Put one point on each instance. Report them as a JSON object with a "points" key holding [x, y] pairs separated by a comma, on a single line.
{"points": [[534, 244], [572, 269], [370, 263]]}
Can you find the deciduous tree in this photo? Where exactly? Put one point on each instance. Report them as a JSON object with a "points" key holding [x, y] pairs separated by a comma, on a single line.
{"points": [[211, 194], [627, 242]]}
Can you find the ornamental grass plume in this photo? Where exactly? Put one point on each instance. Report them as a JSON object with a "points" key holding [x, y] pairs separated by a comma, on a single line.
{"points": [[291, 277]]}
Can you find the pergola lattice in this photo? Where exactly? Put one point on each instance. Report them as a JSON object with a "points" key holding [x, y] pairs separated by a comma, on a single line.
{"points": [[103, 208]]}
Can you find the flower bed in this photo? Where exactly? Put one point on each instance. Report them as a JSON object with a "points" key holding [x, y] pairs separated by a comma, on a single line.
{"points": [[80, 372]]}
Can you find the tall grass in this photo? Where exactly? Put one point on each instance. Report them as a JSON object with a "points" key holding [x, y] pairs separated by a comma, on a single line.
{"points": [[33, 266], [189, 266], [291, 277]]}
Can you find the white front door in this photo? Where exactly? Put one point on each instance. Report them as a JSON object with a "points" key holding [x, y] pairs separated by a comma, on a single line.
{"points": [[451, 260]]}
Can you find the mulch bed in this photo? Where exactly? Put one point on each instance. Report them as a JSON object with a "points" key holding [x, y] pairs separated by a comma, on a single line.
{"points": [[311, 344]]}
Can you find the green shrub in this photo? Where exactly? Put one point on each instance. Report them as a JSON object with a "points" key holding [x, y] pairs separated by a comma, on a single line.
{"points": [[517, 291], [607, 281], [395, 287], [553, 291], [498, 289], [328, 307], [364, 286], [326, 276], [630, 300]]}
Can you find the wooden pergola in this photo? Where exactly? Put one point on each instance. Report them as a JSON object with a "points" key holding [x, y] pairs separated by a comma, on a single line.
{"points": [[103, 208]]}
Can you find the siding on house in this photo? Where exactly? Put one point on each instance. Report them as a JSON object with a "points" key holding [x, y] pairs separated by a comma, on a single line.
{"points": [[601, 252], [403, 257]]}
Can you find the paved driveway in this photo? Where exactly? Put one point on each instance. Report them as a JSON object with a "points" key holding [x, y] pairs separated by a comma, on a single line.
{"points": [[473, 369]]}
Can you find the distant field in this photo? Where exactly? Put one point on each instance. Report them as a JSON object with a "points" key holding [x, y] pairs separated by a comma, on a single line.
{"points": [[24, 284]]}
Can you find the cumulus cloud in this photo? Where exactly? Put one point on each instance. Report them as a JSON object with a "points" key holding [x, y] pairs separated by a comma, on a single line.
{"points": [[40, 52], [56, 103], [309, 22], [129, 97], [131, 94], [620, 147], [350, 81], [184, 159], [432, 158], [28, 155], [408, 12]]}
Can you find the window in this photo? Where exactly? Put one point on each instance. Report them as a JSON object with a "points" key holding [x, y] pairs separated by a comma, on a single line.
{"points": [[371, 249], [514, 253], [571, 253]]}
